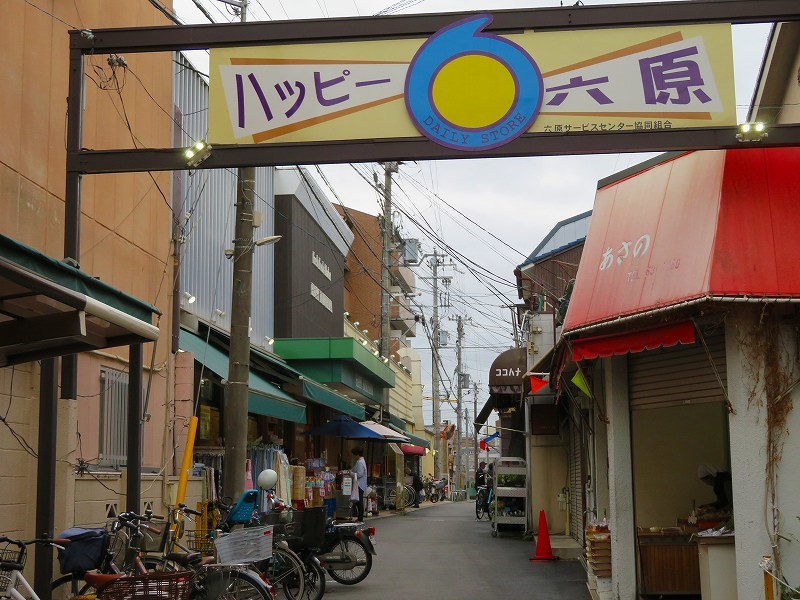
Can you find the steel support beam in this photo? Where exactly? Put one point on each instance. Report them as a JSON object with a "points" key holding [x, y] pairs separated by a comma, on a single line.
{"points": [[191, 37], [72, 200], [531, 144], [46, 475], [133, 489]]}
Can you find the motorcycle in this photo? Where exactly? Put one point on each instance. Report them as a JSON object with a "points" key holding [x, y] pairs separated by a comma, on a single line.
{"points": [[439, 490], [346, 548]]}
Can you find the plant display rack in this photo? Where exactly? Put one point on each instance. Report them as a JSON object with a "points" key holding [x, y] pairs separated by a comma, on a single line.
{"points": [[505, 467]]}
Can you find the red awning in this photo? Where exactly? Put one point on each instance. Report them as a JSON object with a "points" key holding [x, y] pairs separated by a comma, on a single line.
{"points": [[704, 224], [412, 449], [648, 339]]}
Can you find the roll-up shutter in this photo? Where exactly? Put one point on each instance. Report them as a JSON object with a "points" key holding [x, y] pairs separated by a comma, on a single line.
{"points": [[682, 374], [576, 483]]}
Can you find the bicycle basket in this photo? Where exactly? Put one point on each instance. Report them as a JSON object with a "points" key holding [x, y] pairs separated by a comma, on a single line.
{"points": [[11, 557], [245, 545], [85, 551], [201, 540], [154, 536], [153, 586], [283, 522]]}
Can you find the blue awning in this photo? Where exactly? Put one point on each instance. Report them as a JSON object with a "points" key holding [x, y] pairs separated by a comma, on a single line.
{"points": [[264, 398]]}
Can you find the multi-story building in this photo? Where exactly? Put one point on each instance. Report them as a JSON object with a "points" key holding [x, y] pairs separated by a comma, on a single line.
{"points": [[100, 301], [363, 268]]}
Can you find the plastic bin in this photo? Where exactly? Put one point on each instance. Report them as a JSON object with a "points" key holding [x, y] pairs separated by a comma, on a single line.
{"points": [[330, 507]]}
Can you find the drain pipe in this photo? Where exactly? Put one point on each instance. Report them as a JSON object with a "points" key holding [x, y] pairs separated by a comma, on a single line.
{"points": [[529, 482]]}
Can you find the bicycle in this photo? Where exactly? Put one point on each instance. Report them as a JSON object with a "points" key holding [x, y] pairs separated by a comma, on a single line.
{"points": [[111, 551], [408, 496], [205, 582], [12, 563], [482, 499], [301, 532], [284, 570], [215, 580]]}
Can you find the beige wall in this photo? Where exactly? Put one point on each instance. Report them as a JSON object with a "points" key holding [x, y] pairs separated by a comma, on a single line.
{"points": [[548, 471], [668, 445], [125, 232]]}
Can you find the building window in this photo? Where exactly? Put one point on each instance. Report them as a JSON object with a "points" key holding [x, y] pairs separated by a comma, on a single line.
{"points": [[113, 418]]}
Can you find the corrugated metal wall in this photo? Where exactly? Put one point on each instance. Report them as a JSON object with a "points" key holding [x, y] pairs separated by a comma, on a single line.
{"points": [[679, 375], [207, 199]]}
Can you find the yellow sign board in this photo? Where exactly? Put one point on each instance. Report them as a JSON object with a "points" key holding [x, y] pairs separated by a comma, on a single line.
{"points": [[471, 90]]}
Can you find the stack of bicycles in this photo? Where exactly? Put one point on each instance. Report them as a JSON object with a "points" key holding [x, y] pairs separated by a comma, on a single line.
{"points": [[138, 558]]}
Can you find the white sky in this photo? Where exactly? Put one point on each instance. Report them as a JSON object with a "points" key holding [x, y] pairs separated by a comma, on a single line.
{"points": [[516, 200]]}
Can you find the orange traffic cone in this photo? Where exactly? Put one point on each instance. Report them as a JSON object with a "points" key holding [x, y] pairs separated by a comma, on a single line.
{"points": [[543, 549]]}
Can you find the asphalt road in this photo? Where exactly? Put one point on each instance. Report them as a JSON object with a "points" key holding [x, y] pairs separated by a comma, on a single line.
{"points": [[440, 552]]}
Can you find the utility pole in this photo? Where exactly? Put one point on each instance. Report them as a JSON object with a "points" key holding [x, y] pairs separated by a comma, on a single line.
{"points": [[386, 276], [235, 413], [474, 426], [437, 423], [459, 409], [436, 259]]}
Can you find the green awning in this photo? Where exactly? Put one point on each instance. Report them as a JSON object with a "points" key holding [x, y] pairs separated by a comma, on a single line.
{"points": [[327, 397], [264, 398], [397, 423], [417, 441], [50, 308]]}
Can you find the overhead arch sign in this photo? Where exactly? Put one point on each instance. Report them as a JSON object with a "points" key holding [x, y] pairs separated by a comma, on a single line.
{"points": [[470, 90]]}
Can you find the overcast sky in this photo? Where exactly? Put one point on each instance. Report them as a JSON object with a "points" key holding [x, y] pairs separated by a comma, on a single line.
{"points": [[514, 202]]}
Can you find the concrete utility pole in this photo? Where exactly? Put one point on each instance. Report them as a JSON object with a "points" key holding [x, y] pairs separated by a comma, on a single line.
{"points": [[235, 413], [459, 410], [437, 422], [475, 418], [386, 276]]}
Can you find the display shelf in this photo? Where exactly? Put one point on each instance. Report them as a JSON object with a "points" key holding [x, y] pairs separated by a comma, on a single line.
{"points": [[508, 466], [503, 520], [510, 492]]}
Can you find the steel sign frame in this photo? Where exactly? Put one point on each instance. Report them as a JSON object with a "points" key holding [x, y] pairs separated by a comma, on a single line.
{"points": [[170, 38]]}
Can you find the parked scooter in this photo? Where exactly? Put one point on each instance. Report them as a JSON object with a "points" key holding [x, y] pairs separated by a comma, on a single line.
{"points": [[346, 550], [439, 490]]}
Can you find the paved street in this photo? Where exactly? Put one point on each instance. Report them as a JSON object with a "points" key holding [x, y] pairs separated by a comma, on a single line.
{"points": [[441, 552]]}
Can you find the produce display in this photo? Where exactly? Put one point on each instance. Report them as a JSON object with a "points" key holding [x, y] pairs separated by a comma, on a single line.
{"points": [[511, 480], [508, 507]]}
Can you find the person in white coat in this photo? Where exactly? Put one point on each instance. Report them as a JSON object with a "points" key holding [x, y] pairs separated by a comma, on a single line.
{"points": [[360, 473]]}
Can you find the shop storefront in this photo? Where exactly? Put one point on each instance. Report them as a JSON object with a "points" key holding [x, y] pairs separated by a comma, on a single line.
{"points": [[664, 322]]}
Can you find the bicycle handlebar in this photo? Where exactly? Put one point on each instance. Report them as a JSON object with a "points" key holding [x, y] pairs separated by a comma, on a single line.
{"points": [[132, 516], [22, 543], [185, 509]]}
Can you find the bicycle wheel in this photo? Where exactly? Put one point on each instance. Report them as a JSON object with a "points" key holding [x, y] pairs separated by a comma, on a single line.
{"points": [[314, 588], [480, 504], [229, 584], [408, 495], [69, 586], [358, 553], [286, 574]]}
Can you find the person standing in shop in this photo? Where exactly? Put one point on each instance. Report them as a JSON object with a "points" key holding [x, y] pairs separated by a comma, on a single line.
{"points": [[360, 473]]}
